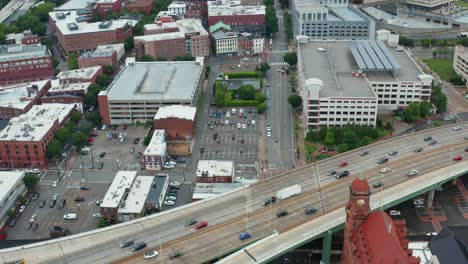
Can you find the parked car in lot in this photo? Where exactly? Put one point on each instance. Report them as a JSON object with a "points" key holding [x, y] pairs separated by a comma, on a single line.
{"points": [[169, 202], [97, 215], [33, 218], [394, 213], [22, 208], [200, 225], [79, 199], [52, 203], [244, 235], [136, 141], [34, 227], [12, 222], [175, 254], [62, 204], [84, 188], [42, 204], [282, 213], [70, 216], [28, 226], [35, 196]]}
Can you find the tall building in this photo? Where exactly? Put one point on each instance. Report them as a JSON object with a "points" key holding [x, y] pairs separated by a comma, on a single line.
{"points": [[348, 82], [460, 61], [372, 237], [428, 5], [330, 20], [21, 63]]}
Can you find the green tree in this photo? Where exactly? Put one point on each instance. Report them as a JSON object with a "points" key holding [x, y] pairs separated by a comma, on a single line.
{"points": [[295, 100], [284, 3], [76, 117], [330, 138], [129, 44], [365, 141], [42, 10], [21, 199], [424, 109], [63, 135], [271, 21], [90, 99], [389, 125], [72, 61], [263, 67], [147, 139], [79, 139], [247, 92], [434, 54], [147, 57], [443, 42], [439, 99], [102, 222], [411, 112], [162, 59], [186, 57], [94, 118], [108, 69], [104, 80], [260, 98], [261, 107], [351, 139], [54, 148], [404, 41], [426, 42], [12, 213], [30, 180], [290, 58], [342, 147]]}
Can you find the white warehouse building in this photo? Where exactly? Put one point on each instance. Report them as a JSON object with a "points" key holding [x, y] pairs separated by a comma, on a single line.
{"points": [[348, 82]]}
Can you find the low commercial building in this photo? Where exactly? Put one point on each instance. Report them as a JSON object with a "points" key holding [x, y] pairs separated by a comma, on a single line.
{"points": [[117, 193], [235, 44], [250, 19], [155, 153], [24, 38], [460, 61], [75, 5], [82, 75], [67, 93], [348, 82], [330, 20], [134, 206], [18, 99], [105, 7], [212, 171], [178, 121], [139, 6], [141, 88], [112, 55], [71, 16], [155, 198], [209, 190], [11, 187], [25, 63], [23, 143]]}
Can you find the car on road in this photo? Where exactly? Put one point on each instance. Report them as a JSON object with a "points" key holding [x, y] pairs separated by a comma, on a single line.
{"points": [[311, 210], [432, 142], [22, 208], [385, 170], [382, 160], [84, 188], [42, 204], [378, 184], [169, 202], [418, 150], [269, 200], [52, 203], [136, 141], [191, 222], [268, 134], [427, 138], [244, 235], [457, 158], [33, 218], [457, 128], [343, 164], [363, 153], [393, 153], [412, 172], [268, 128], [54, 184], [331, 173], [97, 215], [34, 227], [282, 213], [200, 225], [175, 254], [342, 174], [28, 226], [125, 243], [138, 246]]}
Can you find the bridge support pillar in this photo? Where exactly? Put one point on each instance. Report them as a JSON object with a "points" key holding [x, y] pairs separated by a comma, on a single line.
{"points": [[326, 247], [430, 198]]}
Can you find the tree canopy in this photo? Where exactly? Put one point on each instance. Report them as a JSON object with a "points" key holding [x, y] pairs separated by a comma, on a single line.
{"points": [[290, 58], [295, 100], [30, 180]]}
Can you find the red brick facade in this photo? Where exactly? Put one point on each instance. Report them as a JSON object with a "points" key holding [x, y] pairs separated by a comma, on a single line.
{"points": [[213, 179], [84, 62], [166, 48], [26, 70], [9, 112], [105, 7], [175, 128], [253, 20], [63, 99], [141, 6], [104, 108]]}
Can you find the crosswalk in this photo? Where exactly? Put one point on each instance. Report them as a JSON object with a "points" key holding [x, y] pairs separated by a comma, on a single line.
{"points": [[278, 63]]}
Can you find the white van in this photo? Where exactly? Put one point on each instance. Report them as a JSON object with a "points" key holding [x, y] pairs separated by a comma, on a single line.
{"points": [[253, 122], [70, 216]]}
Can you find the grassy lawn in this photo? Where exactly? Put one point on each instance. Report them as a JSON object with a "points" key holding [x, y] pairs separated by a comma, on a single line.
{"points": [[461, 3], [200, 104], [443, 67]]}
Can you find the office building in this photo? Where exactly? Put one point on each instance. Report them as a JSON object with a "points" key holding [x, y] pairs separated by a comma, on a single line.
{"points": [[213, 171], [178, 121], [177, 8], [348, 82], [460, 61], [155, 153], [330, 20], [116, 194], [112, 55], [141, 88], [25, 63], [11, 186], [18, 99]]}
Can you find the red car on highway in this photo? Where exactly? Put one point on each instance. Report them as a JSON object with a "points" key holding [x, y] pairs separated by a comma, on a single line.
{"points": [[202, 224], [90, 140], [93, 134], [343, 164], [457, 158]]}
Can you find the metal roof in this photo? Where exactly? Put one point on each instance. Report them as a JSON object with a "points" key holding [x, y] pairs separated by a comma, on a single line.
{"points": [[371, 55]]}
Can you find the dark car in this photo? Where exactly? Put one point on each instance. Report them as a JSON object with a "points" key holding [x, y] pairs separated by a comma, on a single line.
{"points": [[79, 199], [466, 149], [202, 149], [102, 154], [432, 142], [139, 246], [62, 204], [378, 184], [125, 243], [310, 210], [418, 150], [427, 138], [282, 213], [191, 222], [12, 222], [175, 254], [342, 174], [393, 153], [269, 200], [36, 196], [28, 226], [84, 188], [42, 204], [331, 173], [52, 203], [363, 153], [174, 187], [34, 226], [382, 160], [136, 141]]}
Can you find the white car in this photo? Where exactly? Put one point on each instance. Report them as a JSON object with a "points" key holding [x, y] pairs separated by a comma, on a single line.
{"points": [[385, 170], [233, 111], [175, 183], [322, 49], [22, 208], [228, 115], [33, 218], [412, 172], [268, 128], [169, 202], [418, 201], [36, 171], [457, 128], [70, 216], [54, 184], [239, 125], [171, 198], [97, 215], [244, 126], [268, 134], [395, 213], [151, 254]]}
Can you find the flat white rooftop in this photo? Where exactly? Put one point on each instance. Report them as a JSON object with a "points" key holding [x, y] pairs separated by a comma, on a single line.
{"points": [[19, 96], [35, 124], [121, 183], [105, 51], [63, 17], [22, 52], [210, 168], [161, 26], [176, 5], [176, 111], [81, 28], [191, 25], [161, 36], [157, 145], [74, 5], [237, 10], [83, 73], [137, 196], [58, 87], [8, 181]]}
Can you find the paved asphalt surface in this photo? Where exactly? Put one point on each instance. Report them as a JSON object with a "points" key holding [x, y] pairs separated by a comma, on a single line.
{"points": [[241, 210]]}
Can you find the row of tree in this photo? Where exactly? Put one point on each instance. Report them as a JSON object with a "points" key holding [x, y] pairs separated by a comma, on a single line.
{"points": [[416, 110], [271, 21], [290, 58], [288, 25], [186, 57]]}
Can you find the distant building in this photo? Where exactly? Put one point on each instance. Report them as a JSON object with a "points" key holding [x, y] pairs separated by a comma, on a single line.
{"points": [[372, 236], [450, 245], [66, 93], [229, 43], [209, 190], [178, 121], [428, 5], [23, 143], [177, 8], [139, 6], [389, 38], [327, 19], [112, 55], [11, 187], [24, 38], [104, 7], [18, 99], [141, 88], [75, 5], [65, 17], [250, 19], [155, 153], [460, 61], [89, 74], [22, 64], [116, 194], [213, 171]]}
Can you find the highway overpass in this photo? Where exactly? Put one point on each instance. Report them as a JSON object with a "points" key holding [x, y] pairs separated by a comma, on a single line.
{"points": [[241, 210]]}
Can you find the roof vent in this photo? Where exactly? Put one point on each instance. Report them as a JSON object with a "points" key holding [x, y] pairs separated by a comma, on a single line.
{"points": [[72, 26]]}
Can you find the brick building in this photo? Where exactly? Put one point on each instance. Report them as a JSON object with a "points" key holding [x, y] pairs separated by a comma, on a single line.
{"points": [[166, 45], [24, 38], [178, 121], [209, 171], [116, 194], [18, 99], [140, 6], [65, 17], [89, 74], [23, 143], [25, 64], [104, 7], [66, 93], [81, 37], [196, 9], [250, 19], [103, 55], [155, 153]]}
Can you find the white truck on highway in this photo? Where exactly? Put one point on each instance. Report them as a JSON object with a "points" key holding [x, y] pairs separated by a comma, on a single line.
{"points": [[288, 191]]}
